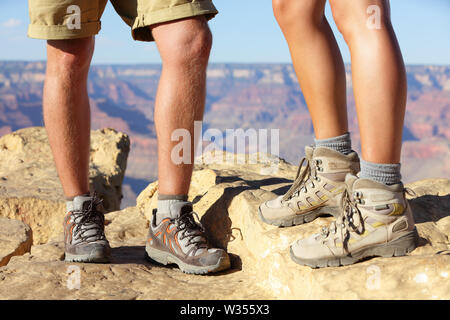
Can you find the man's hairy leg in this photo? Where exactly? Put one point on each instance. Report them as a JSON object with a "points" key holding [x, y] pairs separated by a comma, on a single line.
{"points": [[67, 120], [174, 235], [66, 111], [184, 47]]}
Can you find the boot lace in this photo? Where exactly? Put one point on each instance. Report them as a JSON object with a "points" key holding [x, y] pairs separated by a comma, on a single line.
{"points": [[308, 174], [90, 222], [351, 219], [191, 229]]}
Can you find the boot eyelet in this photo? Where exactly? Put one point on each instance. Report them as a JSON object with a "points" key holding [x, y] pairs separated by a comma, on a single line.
{"points": [[358, 194]]}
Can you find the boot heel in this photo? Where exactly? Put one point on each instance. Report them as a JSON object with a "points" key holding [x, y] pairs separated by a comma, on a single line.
{"points": [[156, 255], [398, 247]]}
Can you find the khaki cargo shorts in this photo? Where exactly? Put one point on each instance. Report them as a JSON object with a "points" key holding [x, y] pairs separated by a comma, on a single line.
{"points": [[71, 19]]}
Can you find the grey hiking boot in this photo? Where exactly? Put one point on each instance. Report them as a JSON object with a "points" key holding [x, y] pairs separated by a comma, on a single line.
{"points": [[181, 241], [84, 236], [316, 191], [376, 220]]}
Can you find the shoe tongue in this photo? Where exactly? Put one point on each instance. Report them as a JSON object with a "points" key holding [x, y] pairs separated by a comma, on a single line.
{"points": [[78, 203], [309, 151], [350, 180]]}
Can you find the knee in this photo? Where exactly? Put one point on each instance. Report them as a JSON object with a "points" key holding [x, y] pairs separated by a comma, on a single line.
{"points": [[354, 19], [294, 12], [341, 16], [190, 48], [72, 55], [198, 46]]}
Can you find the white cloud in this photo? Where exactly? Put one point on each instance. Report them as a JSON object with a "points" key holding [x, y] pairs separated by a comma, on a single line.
{"points": [[11, 23]]}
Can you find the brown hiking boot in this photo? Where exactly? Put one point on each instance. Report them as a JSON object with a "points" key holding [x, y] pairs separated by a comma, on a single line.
{"points": [[316, 191], [375, 220], [181, 241]]}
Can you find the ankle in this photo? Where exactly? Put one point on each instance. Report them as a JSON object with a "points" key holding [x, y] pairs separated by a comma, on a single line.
{"points": [[168, 206], [386, 173], [70, 198], [342, 144], [76, 203]]}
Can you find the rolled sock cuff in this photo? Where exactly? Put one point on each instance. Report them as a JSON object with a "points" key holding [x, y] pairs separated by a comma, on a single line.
{"points": [[342, 144], [76, 204], [169, 208], [181, 197], [387, 173]]}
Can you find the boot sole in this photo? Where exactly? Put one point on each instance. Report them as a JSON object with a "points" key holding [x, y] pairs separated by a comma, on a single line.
{"points": [[86, 258], [395, 248], [301, 218], [166, 258]]}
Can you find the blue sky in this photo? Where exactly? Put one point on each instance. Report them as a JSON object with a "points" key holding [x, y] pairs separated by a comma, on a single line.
{"points": [[244, 31]]}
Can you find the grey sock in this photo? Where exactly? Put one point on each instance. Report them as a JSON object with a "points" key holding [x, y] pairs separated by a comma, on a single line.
{"points": [[387, 173], [76, 204], [169, 206], [342, 144]]}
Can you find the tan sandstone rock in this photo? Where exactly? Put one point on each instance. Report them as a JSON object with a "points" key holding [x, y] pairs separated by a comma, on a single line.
{"points": [[226, 197], [42, 274], [229, 212], [15, 239], [29, 187]]}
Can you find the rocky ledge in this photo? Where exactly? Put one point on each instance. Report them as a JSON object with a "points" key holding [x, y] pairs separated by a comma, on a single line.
{"points": [[226, 197], [29, 187]]}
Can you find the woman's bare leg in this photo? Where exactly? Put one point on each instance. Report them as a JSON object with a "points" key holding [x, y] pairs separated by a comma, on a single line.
{"points": [[379, 78], [317, 62]]}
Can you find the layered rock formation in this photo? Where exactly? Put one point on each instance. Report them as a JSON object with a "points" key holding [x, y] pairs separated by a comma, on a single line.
{"points": [[29, 187], [226, 197], [15, 239], [248, 96]]}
